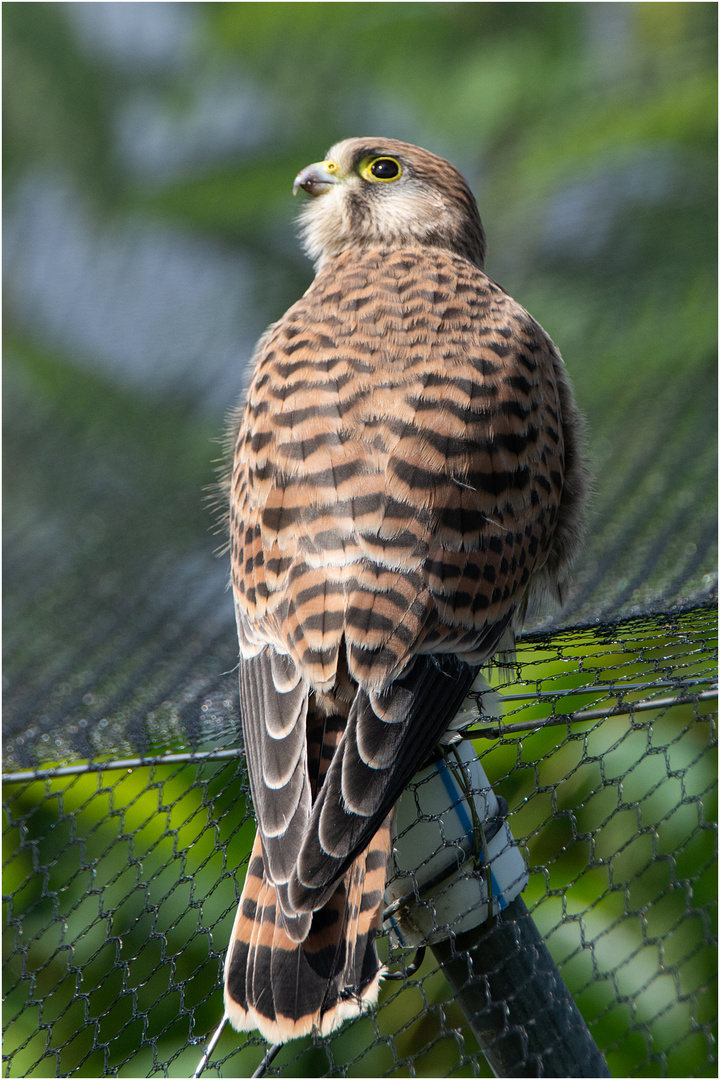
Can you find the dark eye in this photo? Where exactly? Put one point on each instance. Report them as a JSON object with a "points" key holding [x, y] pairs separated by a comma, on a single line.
{"points": [[385, 168]]}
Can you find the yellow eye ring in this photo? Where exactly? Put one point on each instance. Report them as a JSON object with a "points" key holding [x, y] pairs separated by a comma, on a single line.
{"points": [[383, 169]]}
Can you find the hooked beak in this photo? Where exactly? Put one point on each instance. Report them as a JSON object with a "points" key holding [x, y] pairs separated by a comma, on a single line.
{"points": [[316, 178]]}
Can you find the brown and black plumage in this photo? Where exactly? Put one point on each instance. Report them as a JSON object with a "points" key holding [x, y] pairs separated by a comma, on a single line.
{"points": [[406, 474]]}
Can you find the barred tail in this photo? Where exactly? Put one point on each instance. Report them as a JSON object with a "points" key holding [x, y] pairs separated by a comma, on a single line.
{"points": [[286, 989]]}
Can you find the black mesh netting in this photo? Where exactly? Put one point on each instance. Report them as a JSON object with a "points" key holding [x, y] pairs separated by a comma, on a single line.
{"points": [[121, 886], [148, 240], [121, 881]]}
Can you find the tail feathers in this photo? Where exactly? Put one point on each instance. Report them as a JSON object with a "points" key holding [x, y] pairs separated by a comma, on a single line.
{"points": [[286, 989]]}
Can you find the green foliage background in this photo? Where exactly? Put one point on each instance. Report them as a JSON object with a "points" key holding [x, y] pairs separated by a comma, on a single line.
{"points": [[149, 156]]}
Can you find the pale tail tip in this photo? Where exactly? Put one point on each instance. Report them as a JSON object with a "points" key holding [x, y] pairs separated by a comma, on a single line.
{"points": [[284, 1028]]}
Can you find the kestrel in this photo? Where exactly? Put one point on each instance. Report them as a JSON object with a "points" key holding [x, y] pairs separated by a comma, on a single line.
{"points": [[407, 474]]}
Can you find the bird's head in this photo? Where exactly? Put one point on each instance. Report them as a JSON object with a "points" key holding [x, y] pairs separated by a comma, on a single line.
{"points": [[382, 191]]}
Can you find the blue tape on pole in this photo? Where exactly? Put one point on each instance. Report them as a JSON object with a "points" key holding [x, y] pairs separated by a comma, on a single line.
{"points": [[458, 805], [459, 808], [435, 894]]}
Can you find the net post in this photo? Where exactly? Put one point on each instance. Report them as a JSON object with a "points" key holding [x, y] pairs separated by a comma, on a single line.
{"points": [[514, 999], [458, 875]]}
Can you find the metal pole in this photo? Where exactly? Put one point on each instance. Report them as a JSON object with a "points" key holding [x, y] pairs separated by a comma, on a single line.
{"points": [[515, 1001]]}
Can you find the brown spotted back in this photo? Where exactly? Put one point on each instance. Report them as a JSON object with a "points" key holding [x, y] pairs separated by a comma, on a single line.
{"points": [[401, 473]]}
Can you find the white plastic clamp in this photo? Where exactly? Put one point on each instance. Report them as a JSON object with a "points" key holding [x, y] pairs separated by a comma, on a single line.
{"points": [[453, 849]]}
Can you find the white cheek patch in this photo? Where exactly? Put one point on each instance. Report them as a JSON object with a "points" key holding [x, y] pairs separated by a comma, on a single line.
{"points": [[408, 212]]}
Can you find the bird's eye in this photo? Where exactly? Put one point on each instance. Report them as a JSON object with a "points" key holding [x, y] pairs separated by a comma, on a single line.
{"points": [[381, 168], [385, 168]]}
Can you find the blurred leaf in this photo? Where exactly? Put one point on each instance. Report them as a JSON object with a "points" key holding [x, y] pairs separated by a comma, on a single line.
{"points": [[56, 105]]}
